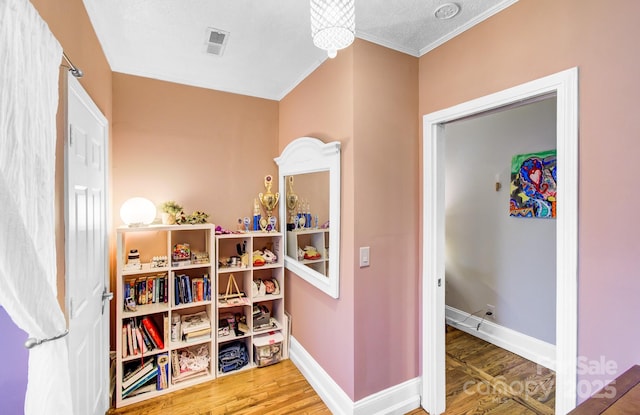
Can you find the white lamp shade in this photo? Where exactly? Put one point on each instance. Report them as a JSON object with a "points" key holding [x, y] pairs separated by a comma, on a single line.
{"points": [[333, 24], [138, 211]]}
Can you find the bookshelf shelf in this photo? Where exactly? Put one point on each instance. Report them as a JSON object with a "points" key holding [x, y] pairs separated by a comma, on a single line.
{"points": [[319, 239], [145, 269], [153, 290], [190, 305], [146, 309], [256, 297], [184, 344], [250, 280], [145, 355]]}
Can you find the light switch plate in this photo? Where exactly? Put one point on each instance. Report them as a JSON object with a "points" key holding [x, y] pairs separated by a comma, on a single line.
{"points": [[364, 256]]}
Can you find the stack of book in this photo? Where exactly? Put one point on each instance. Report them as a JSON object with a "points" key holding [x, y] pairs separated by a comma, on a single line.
{"points": [[146, 377], [191, 289], [139, 336], [140, 379], [195, 326], [146, 290]]}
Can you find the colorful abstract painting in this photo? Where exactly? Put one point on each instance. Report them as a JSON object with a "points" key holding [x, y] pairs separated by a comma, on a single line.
{"points": [[533, 185]]}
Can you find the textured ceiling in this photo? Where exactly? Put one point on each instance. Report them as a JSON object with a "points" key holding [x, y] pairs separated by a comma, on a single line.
{"points": [[269, 49]]}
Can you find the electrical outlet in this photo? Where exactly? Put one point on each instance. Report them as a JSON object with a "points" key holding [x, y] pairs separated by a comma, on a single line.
{"points": [[491, 309]]}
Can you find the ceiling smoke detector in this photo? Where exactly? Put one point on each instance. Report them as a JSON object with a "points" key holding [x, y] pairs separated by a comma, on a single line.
{"points": [[216, 41], [447, 11]]}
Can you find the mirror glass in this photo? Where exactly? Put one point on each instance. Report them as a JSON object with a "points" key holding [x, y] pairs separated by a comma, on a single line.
{"points": [[309, 180], [307, 200]]}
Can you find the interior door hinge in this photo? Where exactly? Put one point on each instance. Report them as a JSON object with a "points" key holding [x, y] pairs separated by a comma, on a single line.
{"points": [[439, 282]]}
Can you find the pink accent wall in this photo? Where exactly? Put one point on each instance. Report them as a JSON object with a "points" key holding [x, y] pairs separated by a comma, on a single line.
{"points": [[387, 202], [367, 98], [208, 150], [535, 38], [321, 106]]}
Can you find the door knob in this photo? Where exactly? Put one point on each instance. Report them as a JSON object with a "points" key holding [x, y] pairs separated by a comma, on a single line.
{"points": [[106, 296]]}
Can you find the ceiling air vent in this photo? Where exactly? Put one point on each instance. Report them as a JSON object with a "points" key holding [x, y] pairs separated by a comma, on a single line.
{"points": [[216, 41]]}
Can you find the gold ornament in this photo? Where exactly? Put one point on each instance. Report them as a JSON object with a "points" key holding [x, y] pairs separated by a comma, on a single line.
{"points": [[269, 200]]}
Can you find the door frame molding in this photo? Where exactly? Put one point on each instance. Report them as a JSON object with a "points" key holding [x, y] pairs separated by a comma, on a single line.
{"points": [[564, 85]]}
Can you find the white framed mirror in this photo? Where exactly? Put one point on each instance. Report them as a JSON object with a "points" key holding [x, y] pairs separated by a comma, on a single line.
{"points": [[309, 178]]}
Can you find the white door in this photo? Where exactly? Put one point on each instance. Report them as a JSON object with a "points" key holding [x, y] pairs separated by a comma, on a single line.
{"points": [[86, 251]]}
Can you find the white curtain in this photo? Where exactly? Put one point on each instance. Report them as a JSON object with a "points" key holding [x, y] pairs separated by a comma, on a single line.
{"points": [[30, 57]]}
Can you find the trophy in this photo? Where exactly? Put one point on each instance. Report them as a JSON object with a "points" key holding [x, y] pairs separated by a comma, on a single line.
{"points": [[292, 204], [269, 200]]}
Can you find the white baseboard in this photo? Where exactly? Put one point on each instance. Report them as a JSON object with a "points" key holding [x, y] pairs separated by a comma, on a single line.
{"points": [[530, 348], [398, 399]]}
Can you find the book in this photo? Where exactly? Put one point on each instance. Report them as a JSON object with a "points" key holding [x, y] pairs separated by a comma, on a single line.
{"points": [[207, 288], [187, 286], [150, 284], [150, 376], [176, 293], [124, 341], [149, 387], [133, 376], [153, 331], [146, 338], [194, 322], [198, 333], [134, 338], [161, 298], [141, 345], [197, 288], [197, 338], [162, 380], [129, 339], [166, 289], [141, 290], [165, 321], [146, 332]]}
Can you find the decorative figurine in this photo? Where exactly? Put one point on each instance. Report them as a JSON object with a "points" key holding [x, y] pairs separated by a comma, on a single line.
{"points": [[268, 199], [256, 215], [133, 260], [246, 222], [292, 204]]}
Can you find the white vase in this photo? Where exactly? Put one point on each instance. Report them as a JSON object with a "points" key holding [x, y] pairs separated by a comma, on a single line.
{"points": [[168, 219]]}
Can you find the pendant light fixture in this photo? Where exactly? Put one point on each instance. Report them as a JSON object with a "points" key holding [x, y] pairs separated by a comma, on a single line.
{"points": [[333, 24]]}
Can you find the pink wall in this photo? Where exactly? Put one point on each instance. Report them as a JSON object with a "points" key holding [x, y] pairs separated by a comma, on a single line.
{"points": [[529, 40], [368, 339], [207, 150], [386, 218], [321, 106]]}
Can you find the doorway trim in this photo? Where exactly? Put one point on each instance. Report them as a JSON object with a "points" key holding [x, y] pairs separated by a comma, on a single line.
{"points": [[564, 85]]}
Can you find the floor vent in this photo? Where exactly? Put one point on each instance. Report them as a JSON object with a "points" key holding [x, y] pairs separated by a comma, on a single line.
{"points": [[216, 41]]}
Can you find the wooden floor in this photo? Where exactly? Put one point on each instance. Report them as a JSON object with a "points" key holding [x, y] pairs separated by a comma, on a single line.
{"points": [[277, 389], [481, 379], [485, 379]]}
